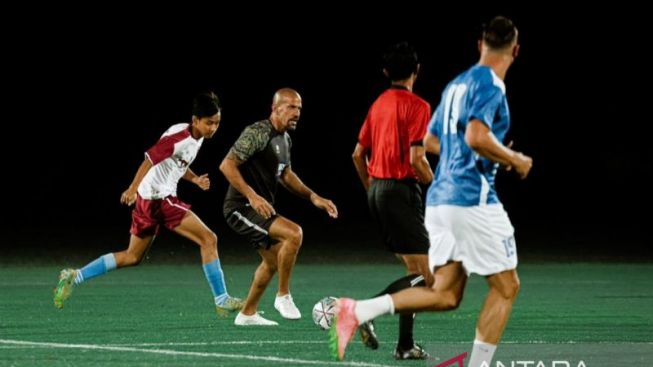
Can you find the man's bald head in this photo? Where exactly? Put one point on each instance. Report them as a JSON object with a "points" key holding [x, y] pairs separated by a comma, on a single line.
{"points": [[283, 95]]}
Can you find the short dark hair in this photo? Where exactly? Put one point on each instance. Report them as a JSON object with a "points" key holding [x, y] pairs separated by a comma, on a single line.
{"points": [[499, 32], [400, 61], [206, 104]]}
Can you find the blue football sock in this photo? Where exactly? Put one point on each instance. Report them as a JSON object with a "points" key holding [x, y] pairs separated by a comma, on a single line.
{"points": [[97, 267], [215, 277]]}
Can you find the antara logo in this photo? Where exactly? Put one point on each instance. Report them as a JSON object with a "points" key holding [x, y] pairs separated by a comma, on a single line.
{"points": [[459, 360]]}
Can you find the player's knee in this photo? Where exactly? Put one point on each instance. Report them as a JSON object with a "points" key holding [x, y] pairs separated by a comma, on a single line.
{"points": [[210, 241], [511, 289], [131, 259], [446, 300], [269, 267], [296, 237]]}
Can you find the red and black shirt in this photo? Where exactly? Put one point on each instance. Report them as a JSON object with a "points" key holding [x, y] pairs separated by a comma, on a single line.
{"points": [[396, 120]]}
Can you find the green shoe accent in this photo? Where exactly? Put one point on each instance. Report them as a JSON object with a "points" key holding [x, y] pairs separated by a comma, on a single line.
{"points": [[333, 339], [65, 287], [231, 304]]}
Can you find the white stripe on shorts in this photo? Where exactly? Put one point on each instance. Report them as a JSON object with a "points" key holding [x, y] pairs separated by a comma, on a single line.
{"points": [[249, 223]]}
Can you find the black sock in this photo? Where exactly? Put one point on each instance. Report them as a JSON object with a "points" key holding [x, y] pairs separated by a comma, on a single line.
{"points": [[406, 321], [413, 280]]}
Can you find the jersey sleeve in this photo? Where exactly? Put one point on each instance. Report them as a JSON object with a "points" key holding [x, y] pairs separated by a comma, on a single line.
{"points": [[418, 123], [365, 135], [485, 103], [163, 149], [252, 140]]}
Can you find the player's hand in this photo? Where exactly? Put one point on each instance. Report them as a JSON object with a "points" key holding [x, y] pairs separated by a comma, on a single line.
{"points": [[262, 206], [128, 197], [202, 181], [522, 164], [325, 204]]}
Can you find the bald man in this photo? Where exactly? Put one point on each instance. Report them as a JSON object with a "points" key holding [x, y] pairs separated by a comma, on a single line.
{"points": [[257, 161]]}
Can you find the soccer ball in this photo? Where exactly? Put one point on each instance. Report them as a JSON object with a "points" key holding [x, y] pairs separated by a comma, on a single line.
{"points": [[324, 311]]}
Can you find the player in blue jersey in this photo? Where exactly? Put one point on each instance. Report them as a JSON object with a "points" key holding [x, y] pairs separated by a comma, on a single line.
{"points": [[469, 231]]}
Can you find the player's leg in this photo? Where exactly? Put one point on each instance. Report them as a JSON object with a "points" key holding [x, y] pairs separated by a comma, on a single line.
{"points": [[262, 277], [494, 315], [244, 220], [68, 278], [192, 227], [399, 213], [289, 236], [417, 268], [445, 294], [486, 241], [367, 332], [143, 230]]}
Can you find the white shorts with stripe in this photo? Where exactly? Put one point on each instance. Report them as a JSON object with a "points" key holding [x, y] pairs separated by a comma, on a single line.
{"points": [[481, 237]]}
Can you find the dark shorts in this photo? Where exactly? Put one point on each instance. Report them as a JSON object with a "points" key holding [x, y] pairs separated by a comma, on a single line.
{"points": [[397, 208], [243, 219], [148, 215]]}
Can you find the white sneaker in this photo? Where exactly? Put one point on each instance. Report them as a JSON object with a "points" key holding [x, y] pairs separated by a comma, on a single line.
{"points": [[286, 307], [255, 319]]}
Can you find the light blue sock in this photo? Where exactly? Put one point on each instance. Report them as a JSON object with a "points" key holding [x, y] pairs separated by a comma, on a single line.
{"points": [[97, 267], [215, 277]]}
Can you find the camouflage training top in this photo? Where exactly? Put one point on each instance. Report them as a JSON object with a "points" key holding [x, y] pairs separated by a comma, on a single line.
{"points": [[264, 154]]}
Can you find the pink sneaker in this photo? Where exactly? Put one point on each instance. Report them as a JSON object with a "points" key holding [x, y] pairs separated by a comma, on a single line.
{"points": [[344, 327]]}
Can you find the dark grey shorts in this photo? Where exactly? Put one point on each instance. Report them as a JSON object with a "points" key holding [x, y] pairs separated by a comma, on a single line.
{"points": [[247, 222]]}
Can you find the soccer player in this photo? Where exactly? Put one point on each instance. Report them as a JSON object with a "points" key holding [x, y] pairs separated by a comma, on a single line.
{"points": [[154, 191], [468, 228], [257, 161], [390, 160]]}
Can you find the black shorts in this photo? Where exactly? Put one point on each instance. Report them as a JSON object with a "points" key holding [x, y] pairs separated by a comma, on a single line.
{"points": [[397, 208], [243, 219]]}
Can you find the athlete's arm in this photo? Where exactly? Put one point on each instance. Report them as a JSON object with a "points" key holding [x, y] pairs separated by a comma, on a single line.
{"points": [[128, 197], [432, 143], [293, 184], [229, 167], [420, 165], [202, 181], [480, 138], [360, 162]]}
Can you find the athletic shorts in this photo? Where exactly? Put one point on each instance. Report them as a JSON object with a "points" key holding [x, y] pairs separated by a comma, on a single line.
{"points": [[248, 223], [396, 206], [148, 215], [481, 237]]}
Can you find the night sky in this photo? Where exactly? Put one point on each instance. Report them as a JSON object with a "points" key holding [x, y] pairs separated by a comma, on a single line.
{"points": [[87, 96]]}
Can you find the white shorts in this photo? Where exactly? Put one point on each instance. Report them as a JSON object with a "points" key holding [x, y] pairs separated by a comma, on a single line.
{"points": [[481, 237]]}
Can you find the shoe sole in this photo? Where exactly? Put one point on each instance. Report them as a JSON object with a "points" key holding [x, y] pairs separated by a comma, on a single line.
{"points": [[287, 317]]}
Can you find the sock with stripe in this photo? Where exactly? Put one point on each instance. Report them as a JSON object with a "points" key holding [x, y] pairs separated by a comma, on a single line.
{"points": [[406, 321], [215, 277], [95, 268]]}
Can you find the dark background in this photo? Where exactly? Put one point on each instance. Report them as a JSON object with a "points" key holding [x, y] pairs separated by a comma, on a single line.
{"points": [[85, 96]]}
